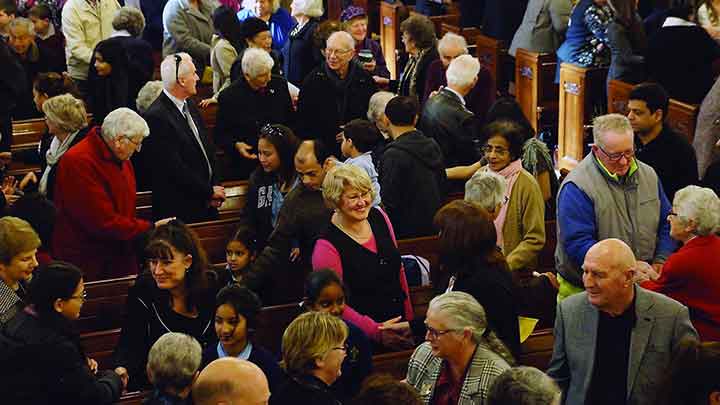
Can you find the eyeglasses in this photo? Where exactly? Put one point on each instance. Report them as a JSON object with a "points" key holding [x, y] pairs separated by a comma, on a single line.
{"points": [[82, 297], [614, 157], [138, 145], [672, 214], [269, 130], [344, 348], [178, 59], [337, 52], [434, 334], [487, 149]]}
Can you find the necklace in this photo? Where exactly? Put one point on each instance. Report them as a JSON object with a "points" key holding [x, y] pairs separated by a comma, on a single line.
{"points": [[365, 234]]}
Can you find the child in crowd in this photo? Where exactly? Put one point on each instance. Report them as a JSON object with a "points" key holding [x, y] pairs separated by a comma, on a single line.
{"points": [[50, 41], [8, 12], [240, 252], [359, 137]]}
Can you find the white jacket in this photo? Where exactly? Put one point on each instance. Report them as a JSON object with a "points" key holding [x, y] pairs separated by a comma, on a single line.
{"points": [[84, 24]]}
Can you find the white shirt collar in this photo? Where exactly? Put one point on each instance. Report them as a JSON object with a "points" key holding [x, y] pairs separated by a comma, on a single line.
{"points": [[677, 22], [50, 32], [178, 103], [121, 33]]}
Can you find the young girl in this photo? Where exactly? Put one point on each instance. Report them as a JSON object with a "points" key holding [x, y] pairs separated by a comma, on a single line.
{"points": [[324, 292], [240, 252]]}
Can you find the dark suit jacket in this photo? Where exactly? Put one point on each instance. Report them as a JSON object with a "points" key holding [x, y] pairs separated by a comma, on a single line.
{"points": [[181, 183]]}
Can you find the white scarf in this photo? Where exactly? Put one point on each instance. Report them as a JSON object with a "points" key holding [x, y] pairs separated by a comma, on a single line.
{"points": [[53, 155]]}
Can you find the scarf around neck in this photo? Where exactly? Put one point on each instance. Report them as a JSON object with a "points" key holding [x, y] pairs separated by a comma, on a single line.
{"points": [[53, 155], [510, 173]]}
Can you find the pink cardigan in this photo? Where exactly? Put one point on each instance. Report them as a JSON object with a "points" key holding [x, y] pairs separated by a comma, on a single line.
{"points": [[325, 256]]}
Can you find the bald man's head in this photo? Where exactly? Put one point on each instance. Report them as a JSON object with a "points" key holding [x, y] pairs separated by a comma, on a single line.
{"points": [[229, 380], [608, 273]]}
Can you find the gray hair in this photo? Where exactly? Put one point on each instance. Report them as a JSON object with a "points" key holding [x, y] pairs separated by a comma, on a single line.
{"points": [[22, 22], [486, 189], [523, 386], [310, 8], [124, 122], [129, 19], [167, 69], [377, 104], [450, 40], [173, 361], [462, 71], [274, 4], [462, 312], [346, 38], [148, 94], [700, 205], [610, 123], [256, 62]]}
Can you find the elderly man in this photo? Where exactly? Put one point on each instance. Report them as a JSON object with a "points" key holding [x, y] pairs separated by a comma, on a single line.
{"points": [[231, 381], [610, 194], [480, 97], [334, 93], [302, 218], [445, 117], [23, 47], [376, 115], [614, 341], [173, 365], [95, 199], [179, 156], [256, 99]]}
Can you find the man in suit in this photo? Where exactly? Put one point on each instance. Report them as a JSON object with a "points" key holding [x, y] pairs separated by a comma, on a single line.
{"points": [[445, 117], [614, 341], [179, 157]]}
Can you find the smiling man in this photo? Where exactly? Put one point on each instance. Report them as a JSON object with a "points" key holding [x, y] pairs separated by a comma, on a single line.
{"points": [[604, 350], [610, 194]]}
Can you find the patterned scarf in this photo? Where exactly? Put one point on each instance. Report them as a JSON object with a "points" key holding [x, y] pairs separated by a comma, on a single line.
{"points": [[511, 173]]}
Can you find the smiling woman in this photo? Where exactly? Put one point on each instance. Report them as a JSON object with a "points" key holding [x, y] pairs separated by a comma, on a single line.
{"points": [[18, 245]]}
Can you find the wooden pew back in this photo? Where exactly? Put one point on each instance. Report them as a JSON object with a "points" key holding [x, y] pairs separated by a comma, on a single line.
{"points": [[213, 236], [105, 306], [235, 192], [492, 54], [535, 88]]}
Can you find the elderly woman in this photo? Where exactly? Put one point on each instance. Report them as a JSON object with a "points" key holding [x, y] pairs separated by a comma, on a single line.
{"points": [[66, 120], [299, 57], [469, 253], [461, 357], [21, 41], [95, 199], [147, 95], [173, 364], [418, 36], [313, 350], [174, 295], [18, 246], [45, 363], [277, 18], [524, 386], [689, 275], [586, 42], [188, 27], [368, 51], [360, 246]]}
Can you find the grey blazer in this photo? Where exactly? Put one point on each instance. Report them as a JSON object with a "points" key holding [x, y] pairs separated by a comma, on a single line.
{"points": [[661, 323], [189, 30], [543, 26]]}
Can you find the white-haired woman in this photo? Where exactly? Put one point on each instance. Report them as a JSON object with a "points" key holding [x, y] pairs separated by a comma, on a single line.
{"points": [[461, 356], [173, 364], [690, 274], [66, 120], [524, 386], [277, 18], [299, 56]]}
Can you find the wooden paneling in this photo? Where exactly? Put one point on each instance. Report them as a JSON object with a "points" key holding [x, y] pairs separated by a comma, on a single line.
{"points": [[492, 54], [390, 34], [535, 88]]}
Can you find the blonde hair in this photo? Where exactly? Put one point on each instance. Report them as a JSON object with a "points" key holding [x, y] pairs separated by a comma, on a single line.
{"points": [[342, 177], [16, 237], [310, 337], [66, 112]]}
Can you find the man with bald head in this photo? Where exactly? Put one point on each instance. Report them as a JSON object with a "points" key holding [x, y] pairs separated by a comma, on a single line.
{"points": [[334, 93], [229, 380], [302, 218], [614, 341]]}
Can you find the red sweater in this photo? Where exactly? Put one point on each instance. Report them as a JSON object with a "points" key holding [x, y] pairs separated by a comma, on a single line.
{"points": [[95, 200], [692, 276]]}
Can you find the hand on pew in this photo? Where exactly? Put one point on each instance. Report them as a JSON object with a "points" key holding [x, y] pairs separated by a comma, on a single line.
{"points": [[218, 197], [206, 102]]}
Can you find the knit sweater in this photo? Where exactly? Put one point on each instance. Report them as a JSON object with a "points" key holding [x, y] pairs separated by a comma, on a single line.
{"points": [[524, 227]]}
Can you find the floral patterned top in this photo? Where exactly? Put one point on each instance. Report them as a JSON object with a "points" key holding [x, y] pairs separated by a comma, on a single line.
{"points": [[586, 42]]}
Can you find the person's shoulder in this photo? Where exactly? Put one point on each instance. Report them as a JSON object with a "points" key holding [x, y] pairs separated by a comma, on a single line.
{"points": [[575, 302], [422, 354], [661, 304]]}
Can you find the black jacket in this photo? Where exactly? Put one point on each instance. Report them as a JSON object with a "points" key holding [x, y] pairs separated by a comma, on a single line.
{"points": [[257, 212], [325, 103], [421, 75], [413, 184], [306, 389], [43, 363], [13, 87], [298, 54], [445, 119], [258, 356], [181, 183], [501, 18]]}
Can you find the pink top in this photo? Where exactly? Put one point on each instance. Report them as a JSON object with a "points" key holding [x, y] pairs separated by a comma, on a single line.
{"points": [[325, 256]]}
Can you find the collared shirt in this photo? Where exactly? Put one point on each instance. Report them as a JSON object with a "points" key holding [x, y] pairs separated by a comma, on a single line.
{"points": [[244, 355], [182, 106], [460, 96], [50, 32], [633, 169], [121, 33]]}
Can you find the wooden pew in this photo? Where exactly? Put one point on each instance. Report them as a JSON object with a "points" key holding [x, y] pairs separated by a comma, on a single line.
{"points": [[682, 117], [537, 350], [105, 307], [493, 55], [535, 88], [577, 87], [214, 235], [26, 136], [469, 33], [390, 34], [235, 192]]}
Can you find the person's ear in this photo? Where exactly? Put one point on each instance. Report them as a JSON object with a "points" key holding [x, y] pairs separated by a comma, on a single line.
{"points": [[328, 164], [658, 115], [150, 374], [319, 362], [59, 305], [187, 260]]}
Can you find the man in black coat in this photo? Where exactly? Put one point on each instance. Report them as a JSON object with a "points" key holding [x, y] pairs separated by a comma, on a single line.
{"points": [[412, 174], [254, 100], [13, 86], [445, 117], [177, 153], [334, 93]]}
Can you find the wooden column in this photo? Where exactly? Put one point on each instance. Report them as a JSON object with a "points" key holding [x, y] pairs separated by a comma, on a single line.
{"points": [[535, 89], [390, 35]]}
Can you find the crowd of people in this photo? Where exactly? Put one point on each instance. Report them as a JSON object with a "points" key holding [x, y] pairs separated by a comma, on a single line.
{"points": [[342, 162]]}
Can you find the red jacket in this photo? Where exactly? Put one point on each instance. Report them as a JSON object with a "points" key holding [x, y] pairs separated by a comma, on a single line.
{"points": [[692, 276], [95, 200]]}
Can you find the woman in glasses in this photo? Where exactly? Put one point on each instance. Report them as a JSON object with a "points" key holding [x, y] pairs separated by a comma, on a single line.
{"points": [[41, 355], [175, 294]]}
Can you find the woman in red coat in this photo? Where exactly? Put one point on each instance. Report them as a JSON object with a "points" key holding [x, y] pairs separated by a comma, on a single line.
{"points": [[691, 274]]}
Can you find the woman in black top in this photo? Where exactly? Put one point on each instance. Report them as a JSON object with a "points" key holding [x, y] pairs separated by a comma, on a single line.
{"points": [[299, 56], [41, 359], [176, 294]]}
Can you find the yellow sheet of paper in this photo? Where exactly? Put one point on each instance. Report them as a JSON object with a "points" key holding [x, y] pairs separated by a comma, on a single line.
{"points": [[527, 325]]}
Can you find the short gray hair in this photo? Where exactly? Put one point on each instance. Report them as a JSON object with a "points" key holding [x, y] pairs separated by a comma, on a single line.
{"points": [[486, 189], [124, 122], [22, 22], [523, 386], [462, 71], [256, 62], [701, 205], [167, 69], [452, 39], [377, 104], [129, 19], [603, 124], [173, 361], [310, 8], [147, 95]]}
